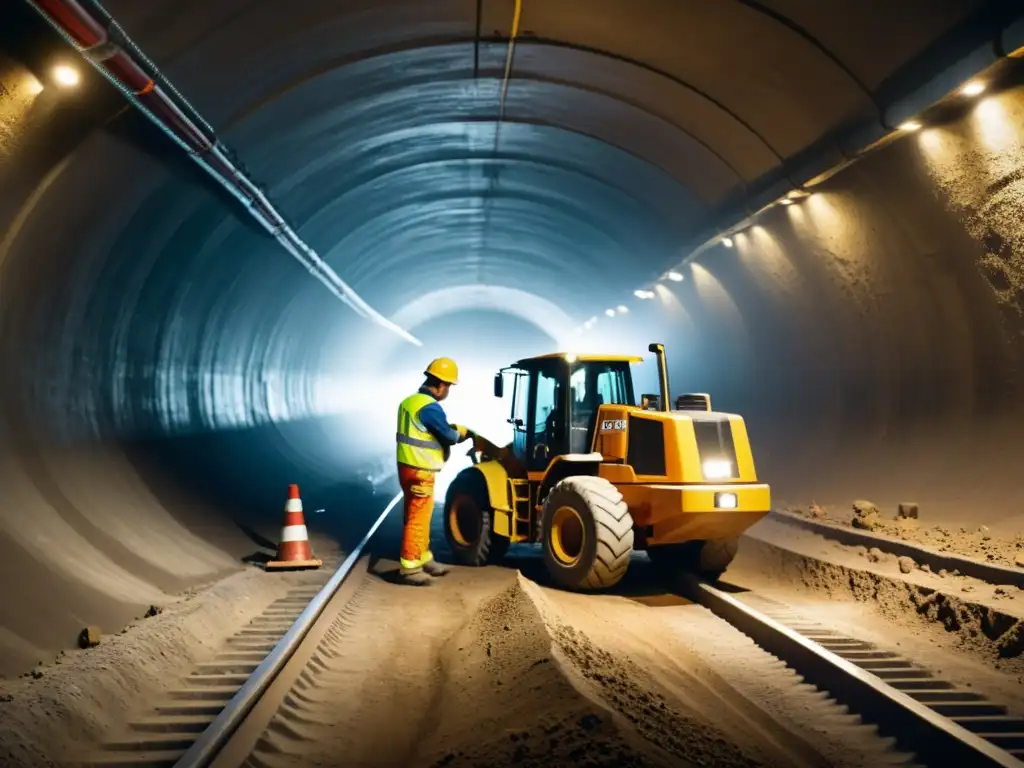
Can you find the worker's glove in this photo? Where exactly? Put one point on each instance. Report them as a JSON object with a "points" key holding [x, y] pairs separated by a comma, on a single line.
{"points": [[463, 432]]}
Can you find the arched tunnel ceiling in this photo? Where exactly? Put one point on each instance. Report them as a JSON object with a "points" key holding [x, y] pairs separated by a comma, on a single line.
{"points": [[749, 80], [625, 124]]}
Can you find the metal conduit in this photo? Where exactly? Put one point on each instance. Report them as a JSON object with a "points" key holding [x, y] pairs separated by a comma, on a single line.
{"points": [[509, 54], [145, 88], [492, 183]]}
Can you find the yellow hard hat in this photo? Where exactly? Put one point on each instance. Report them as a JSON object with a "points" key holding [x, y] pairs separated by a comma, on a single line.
{"points": [[444, 369]]}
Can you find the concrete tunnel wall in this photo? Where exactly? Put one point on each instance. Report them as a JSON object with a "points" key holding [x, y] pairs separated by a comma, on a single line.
{"points": [[154, 405], [157, 396], [873, 334]]}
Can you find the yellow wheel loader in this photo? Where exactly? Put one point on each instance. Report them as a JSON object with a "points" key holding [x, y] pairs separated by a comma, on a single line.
{"points": [[592, 477]]}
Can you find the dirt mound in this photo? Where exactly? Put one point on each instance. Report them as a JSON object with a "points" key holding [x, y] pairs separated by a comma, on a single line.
{"points": [[508, 699], [525, 688], [978, 543], [988, 634], [624, 686]]}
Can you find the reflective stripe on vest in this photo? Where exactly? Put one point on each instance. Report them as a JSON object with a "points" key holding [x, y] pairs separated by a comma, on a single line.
{"points": [[417, 447]]}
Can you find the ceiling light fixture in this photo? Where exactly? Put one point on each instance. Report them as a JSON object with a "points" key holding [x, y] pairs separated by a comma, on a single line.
{"points": [[786, 201], [623, 309], [910, 125], [727, 242], [65, 75], [973, 88], [610, 312], [642, 294], [675, 276]]}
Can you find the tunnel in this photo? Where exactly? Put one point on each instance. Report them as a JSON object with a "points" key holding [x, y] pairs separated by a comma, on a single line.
{"points": [[814, 205]]}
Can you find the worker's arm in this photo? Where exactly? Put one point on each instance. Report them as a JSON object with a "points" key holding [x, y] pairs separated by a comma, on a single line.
{"points": [[433, 417]]}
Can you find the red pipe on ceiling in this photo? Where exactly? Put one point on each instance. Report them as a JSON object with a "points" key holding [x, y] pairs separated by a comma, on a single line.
{"points": [[90, 36], [93, 41]]}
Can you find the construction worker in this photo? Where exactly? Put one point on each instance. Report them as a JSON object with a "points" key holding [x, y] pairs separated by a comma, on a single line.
{"points": [[424, 441]]}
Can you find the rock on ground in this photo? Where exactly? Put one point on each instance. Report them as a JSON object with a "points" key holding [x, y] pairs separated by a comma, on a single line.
{"points": [[978, 542]]}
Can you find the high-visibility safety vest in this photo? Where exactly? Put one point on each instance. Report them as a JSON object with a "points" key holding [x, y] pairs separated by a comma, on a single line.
{"points": [[416, 446]]}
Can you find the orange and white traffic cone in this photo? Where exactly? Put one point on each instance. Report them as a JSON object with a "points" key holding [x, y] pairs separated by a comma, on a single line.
{"points": [[294, 551]]}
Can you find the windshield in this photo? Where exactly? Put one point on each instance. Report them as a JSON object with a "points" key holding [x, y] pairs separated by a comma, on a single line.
{"points": [[591, 385]]}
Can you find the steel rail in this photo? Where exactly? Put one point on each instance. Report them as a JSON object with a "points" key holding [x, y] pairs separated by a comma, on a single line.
{"points": [[936, 739], [206, 748]]}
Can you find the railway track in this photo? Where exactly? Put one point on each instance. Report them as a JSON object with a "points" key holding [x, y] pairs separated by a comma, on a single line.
{"points": [[943, 724], [198, 717], [174, 725], [218, 717]]}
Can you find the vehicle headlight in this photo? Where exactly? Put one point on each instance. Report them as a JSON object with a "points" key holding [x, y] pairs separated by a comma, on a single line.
{"points": [[717, 469], [725, 500]]}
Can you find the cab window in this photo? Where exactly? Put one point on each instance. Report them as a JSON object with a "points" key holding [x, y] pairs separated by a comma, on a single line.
{"points": [[611, 386], [548, 418], [546, 388], [520, 401], [582, 410], [593, 385], [520, 413]]}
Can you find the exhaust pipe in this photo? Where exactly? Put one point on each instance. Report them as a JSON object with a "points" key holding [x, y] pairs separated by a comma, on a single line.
{"points": [[659, 352]]}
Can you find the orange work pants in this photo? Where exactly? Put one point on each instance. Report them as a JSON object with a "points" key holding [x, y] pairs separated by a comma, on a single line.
{"points": [[418, 508]]}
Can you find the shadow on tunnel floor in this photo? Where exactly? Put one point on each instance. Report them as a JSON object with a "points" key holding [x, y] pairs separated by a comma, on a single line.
{"points": [[259, 540], [643, 582], [642, 579]]}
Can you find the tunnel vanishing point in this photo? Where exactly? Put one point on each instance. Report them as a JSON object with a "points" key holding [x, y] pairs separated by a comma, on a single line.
{"points": [[818, 202]]}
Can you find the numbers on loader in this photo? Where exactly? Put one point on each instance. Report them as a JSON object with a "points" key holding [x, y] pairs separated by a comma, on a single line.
{"points": [[613, 425]]}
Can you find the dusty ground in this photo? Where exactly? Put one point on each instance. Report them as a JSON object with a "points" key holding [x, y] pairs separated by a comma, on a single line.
{"points": [[488, 668], [965, 621], [491, 668], [978, 542], [1002, 598], [82, 696]]}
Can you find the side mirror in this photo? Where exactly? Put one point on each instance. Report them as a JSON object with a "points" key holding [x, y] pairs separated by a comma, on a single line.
{"points": [[499, 385]]}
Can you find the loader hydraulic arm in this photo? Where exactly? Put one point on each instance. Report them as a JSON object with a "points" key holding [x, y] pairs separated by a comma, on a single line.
{"points": [[487, 449], [484, 450]]}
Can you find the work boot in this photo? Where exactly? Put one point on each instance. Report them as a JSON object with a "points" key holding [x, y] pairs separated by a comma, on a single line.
{"points": [[434, 568], [414, 578]]}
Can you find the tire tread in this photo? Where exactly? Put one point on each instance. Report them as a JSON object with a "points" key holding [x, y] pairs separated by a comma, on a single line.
{"points": [[490, 548], [612, 523]]}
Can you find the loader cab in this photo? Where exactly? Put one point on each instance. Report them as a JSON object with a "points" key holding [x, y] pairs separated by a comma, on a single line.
{"points": [[555, 400]]}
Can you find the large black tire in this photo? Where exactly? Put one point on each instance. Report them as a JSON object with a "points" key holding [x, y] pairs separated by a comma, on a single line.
{"points": [[469, 521], [587, 533], [707, 559], [715, 557]]}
